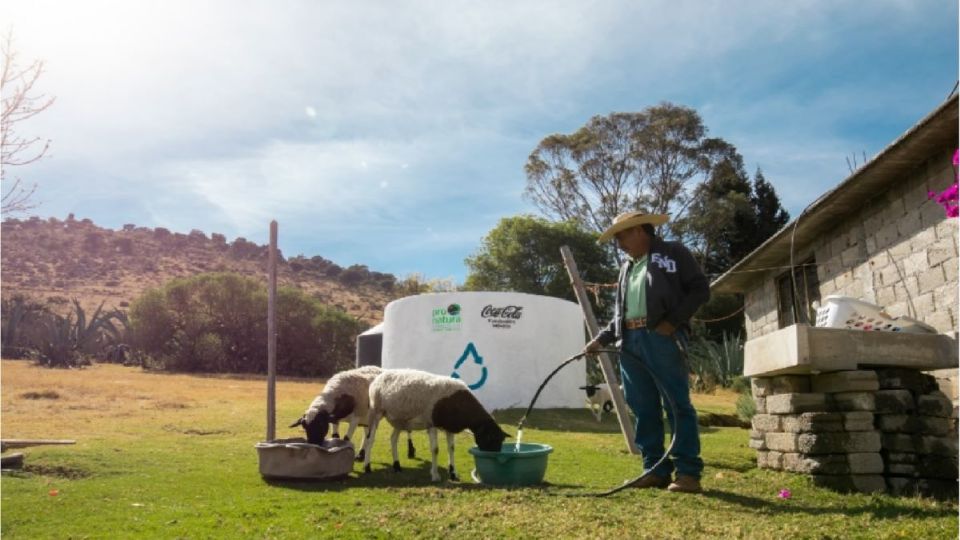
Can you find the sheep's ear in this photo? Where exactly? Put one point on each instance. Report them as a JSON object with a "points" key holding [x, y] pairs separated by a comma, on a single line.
{"points": [[299, 422]]}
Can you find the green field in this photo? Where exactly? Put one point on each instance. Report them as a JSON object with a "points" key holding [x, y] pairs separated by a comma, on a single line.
{"points": [[172, 456]]}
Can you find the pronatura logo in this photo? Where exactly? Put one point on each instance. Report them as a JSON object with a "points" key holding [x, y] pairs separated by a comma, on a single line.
{"points": [[444, 319], [506, 312]]}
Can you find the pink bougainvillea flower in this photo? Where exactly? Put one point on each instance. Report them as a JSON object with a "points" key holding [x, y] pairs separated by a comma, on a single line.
{"points": [[784, 494], [956, 157]]}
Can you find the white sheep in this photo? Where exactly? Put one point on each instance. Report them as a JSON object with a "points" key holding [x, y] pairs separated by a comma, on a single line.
{"points": [[412, 399], [599, 399], [345, 396]]}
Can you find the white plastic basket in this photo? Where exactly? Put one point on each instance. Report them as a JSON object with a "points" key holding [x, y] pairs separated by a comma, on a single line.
{"points": [[853, 314]]}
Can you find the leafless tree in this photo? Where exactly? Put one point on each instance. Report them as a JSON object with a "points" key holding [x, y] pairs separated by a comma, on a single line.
{"points": [[20, 102]]}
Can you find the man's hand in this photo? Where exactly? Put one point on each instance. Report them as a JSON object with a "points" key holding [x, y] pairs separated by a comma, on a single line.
{"points": [[665, 329], [592, 347]]}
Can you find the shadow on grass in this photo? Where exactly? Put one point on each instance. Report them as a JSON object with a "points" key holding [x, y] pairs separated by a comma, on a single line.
{"points": [[583, 421], [411, 477], [890, 510]]}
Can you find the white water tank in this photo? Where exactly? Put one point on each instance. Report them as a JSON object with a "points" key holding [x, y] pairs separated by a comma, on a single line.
{"points": [[502, 344]]}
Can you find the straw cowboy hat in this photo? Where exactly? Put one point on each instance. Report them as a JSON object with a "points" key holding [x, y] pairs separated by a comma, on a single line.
{"points": [[630, 220]]}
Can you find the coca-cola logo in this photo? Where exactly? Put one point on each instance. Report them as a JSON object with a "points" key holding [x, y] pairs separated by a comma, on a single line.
{"points": [[505, 312]]}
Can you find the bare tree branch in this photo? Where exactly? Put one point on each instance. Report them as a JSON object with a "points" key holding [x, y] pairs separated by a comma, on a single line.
{"points": [[20, 103]]}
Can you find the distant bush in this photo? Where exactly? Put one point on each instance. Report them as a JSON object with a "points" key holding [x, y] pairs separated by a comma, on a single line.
{"points": [[217, 322]]}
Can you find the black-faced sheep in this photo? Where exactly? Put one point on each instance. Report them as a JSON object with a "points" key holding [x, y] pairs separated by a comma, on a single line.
{"points": [[412, 399], [345, 396], [599, 399]]}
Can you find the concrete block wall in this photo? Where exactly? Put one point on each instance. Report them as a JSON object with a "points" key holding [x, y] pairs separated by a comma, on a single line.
{"points": [[897, 250], [887, 430]]}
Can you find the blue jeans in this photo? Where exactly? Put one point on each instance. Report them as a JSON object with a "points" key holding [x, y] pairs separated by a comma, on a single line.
{"points": [[662, 357]]}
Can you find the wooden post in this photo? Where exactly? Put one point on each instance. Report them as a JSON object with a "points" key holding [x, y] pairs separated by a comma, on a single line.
{"points": [[272, 334], [606, 366]]}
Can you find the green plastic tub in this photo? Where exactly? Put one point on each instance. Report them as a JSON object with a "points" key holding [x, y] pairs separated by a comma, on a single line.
{"points": [[509, 467]]}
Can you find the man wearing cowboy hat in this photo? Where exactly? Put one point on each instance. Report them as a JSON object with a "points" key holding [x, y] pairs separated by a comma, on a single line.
{"points": [[659, 289]]}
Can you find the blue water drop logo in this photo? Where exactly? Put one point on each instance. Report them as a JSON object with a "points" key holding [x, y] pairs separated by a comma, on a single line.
{"points": [[471, 351]]}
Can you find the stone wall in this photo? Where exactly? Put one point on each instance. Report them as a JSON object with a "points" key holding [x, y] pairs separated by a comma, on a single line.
{"points": [[885, 430], [897, 250]]}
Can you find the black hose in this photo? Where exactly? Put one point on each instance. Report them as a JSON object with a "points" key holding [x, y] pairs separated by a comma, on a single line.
{"points": [[663, 393]]}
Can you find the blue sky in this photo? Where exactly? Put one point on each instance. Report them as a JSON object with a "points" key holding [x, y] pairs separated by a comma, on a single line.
{"points": [[394, 134]]}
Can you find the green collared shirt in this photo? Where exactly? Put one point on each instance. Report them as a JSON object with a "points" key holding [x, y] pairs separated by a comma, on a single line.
{"points": [[637, 289]]}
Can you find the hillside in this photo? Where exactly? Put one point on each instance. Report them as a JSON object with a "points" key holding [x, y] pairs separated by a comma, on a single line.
{"points": [[55, 261]]}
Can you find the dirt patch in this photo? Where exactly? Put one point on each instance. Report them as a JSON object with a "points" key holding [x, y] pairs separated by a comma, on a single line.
{"points": [[194, 431], [721, 420], [46, 394], [172, 405], [57, 471]]}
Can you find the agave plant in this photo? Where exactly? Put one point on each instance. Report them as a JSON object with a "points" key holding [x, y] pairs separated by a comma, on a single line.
{"points": [[66, 337], [18, 314], [716, 363]]}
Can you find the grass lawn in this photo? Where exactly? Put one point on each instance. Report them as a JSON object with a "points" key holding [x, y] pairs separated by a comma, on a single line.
{"points": [[172, 456]]}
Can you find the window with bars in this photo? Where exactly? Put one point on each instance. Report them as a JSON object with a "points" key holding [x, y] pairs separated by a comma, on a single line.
{"points": [[796, 295]]}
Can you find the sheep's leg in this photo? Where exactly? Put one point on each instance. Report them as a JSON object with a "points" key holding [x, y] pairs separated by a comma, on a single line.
{"points": [[411, 451], [453, 470], [335, 427], [354, 420], [361, 454], [394, 437], [434, 474], [372, 422]]}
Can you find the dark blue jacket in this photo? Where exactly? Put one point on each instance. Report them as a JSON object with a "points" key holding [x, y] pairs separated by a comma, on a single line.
{"points": [[676, 287]]}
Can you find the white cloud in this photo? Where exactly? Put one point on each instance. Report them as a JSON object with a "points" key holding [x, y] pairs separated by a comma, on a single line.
{"points": [[240, 113]]}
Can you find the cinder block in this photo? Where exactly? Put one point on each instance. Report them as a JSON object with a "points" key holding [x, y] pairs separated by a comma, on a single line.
{"points": [[782, 384], [865, 463], [838, 443], [898, 457], [807, 422], [903, 378], [934, 404], [939, 446], [796, 403], [757, 444], [822, 464], [760, 404], [766, 422], [854, 401], [781, 442], [928, 487], [845, 381], [934, 425], [901, 469], [863, 483], [901, 443], [937, 467], [858, 421], [931, 278], [770, 460], [896, 423], [893, 402]]}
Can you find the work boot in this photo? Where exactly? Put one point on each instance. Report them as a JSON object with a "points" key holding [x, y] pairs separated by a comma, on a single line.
{"points": [[652, 481], [685, 484]]}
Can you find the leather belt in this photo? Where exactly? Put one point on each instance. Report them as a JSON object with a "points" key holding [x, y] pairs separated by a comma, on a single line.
{"points": [[633, 324]]}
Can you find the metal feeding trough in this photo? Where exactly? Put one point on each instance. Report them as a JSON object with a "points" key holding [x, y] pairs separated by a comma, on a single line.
{"points": [[293, 459], [296, 459]]}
